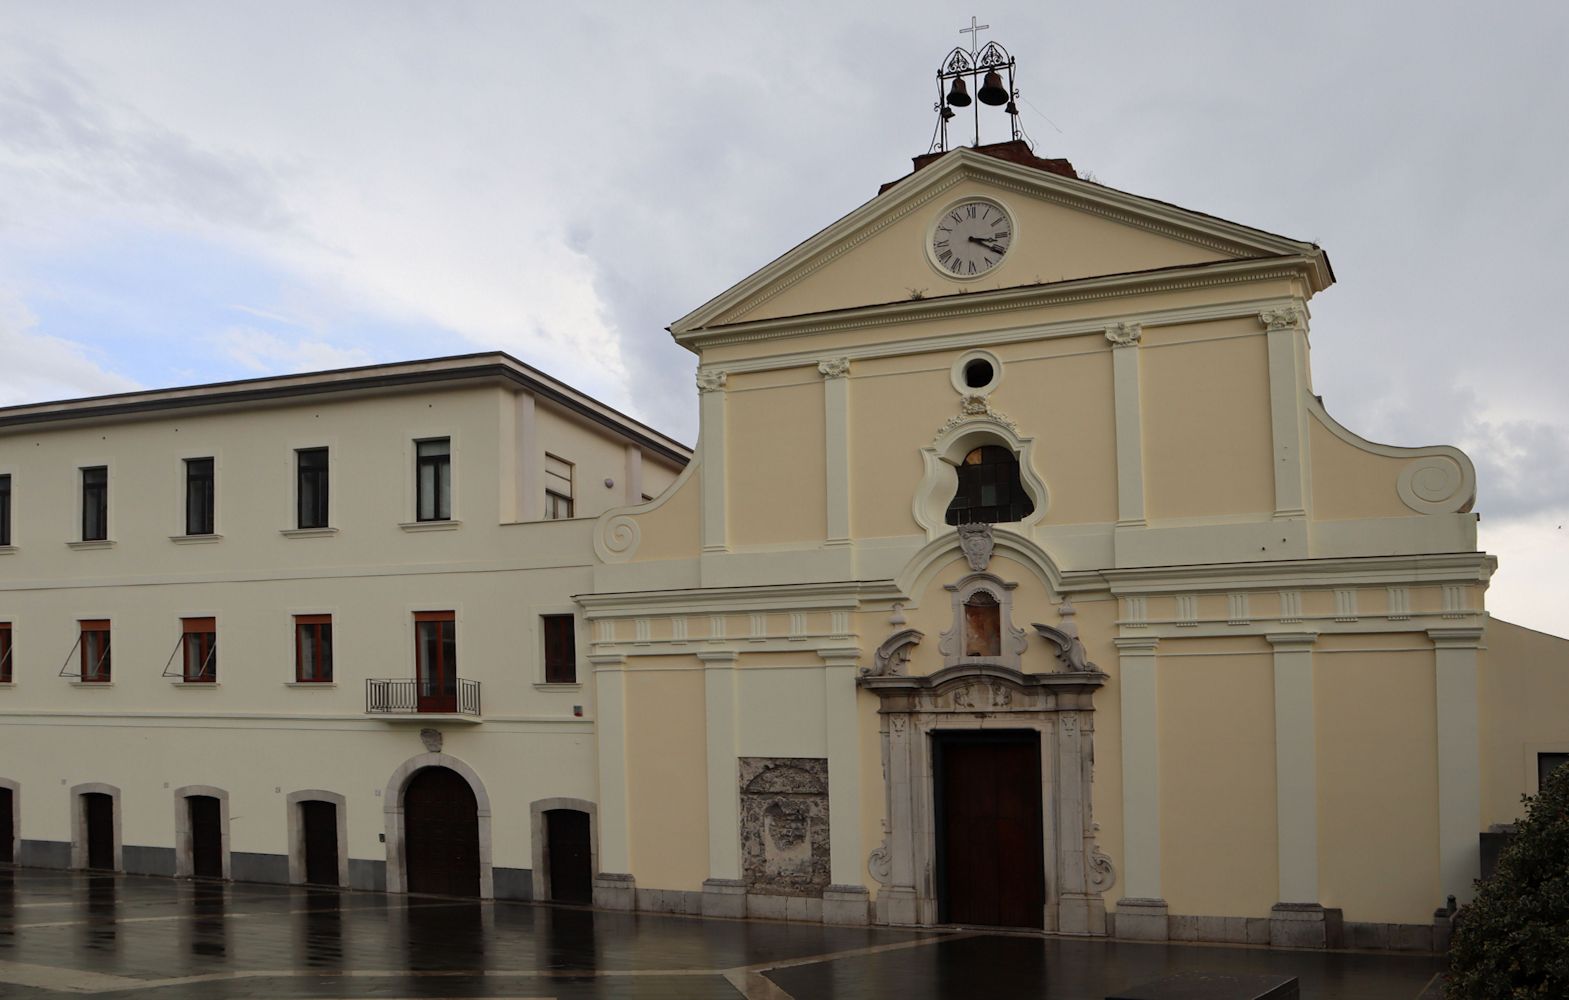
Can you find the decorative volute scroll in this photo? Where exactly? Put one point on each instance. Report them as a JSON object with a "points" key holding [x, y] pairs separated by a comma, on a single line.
{"points": [[976, 542], [711, 380], [973, 407], [880, 862], [1289, 318], [1065, 638], [891, 657], [1102, 873], [1435, 479]]}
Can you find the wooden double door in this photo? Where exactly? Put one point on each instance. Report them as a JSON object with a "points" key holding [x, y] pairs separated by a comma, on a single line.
{"points": [[441, 833], [990, 847]]}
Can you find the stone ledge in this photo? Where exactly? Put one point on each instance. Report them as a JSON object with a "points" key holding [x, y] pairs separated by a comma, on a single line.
{"points": [[615, 891], [1139, 920], [848, 905]]}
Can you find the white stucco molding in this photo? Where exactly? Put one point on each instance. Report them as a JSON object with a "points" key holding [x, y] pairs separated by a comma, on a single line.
{"points": [[955, 440], [540, 839], [930, 560], [1437, 479], [392, 809], [184, 847], [79, 822], [296, 827], [617, 533]]}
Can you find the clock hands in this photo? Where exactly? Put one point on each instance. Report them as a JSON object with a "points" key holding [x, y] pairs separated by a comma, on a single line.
{"points": [[988, 244]]}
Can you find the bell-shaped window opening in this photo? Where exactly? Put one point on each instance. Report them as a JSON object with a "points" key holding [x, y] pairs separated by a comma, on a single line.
{"points": [[990, 491], [982, 625]]}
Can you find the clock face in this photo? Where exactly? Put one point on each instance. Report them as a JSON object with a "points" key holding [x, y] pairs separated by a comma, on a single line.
{"points": [[971, 238]]}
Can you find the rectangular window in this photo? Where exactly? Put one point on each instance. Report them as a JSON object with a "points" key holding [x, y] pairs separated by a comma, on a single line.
{"points": [[95, 504], [560, 649], [94, 646], [199, 650], [433, 479], [558, 488], [436, 661], [5, 652], [1547, 763], [311, 487], [198, 496], [313, 649], [5, 510]]}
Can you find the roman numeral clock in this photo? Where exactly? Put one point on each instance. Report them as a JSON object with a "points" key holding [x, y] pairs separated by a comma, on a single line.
{"points": [[969, 239]]}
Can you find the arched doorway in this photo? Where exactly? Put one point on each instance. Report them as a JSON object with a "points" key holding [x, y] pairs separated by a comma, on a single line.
{"points": [[441, 833]]}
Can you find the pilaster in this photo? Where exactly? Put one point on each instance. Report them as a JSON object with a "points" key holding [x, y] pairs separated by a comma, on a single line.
{"points": [[836, 446], [1296, 767], [1459, 759], [610, 732], [711, 450], [632, 478], [1141, 914], [724, 809], [1286, 329], [1125, 339], [530, 499]]}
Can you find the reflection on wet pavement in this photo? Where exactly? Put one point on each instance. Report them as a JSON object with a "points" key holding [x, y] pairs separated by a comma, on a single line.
{"points": [[162, 939]]}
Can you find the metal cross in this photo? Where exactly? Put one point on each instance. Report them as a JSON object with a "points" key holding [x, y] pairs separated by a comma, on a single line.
{"points": [[974, 31]]}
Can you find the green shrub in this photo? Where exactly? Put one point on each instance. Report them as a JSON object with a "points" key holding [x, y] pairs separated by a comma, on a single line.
{"points": [[1512, 941]]}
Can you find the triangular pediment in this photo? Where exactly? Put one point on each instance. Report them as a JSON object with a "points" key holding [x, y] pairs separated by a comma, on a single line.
{"points": [[1064, 230]]}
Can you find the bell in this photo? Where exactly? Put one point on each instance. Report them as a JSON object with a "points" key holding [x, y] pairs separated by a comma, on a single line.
{"points": [[992, 91], [1012, 109], [947, 112], [959, 95]]}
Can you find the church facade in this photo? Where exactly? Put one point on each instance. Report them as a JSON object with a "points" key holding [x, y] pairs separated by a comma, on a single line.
{"points": [[1018, 578]]}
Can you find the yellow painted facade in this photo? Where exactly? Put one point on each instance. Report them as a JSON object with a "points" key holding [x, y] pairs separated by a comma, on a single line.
{"points": [[1247, 650]]}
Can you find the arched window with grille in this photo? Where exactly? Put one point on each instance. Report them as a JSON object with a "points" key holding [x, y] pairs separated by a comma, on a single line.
{"points": [[990, 491]]}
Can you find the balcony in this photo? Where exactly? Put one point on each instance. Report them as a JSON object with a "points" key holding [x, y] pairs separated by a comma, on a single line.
{"points": [[408, 696]]}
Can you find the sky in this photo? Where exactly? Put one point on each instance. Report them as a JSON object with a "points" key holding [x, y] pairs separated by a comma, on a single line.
{"points": [[192, 192]]}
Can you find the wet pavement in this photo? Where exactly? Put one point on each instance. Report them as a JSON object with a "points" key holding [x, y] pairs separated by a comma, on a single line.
{"points": [[161, 939]]}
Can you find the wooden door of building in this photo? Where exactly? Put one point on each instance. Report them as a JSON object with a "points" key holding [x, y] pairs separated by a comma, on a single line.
{"points": [[320, 822], [990, 849], [98, 808], [206, 817], [7, 827], [441, 833], [436, 661], [571, 857]]}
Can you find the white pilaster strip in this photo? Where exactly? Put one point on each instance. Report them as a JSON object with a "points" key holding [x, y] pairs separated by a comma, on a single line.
{"points": [[1285, 327], [1459, 759], [844, 765], [1140, 767], [615, 836], [1296, 767], [711, 445], [1125, 338], [530, 493], [836, 446], [724, 798], [632, 478]]}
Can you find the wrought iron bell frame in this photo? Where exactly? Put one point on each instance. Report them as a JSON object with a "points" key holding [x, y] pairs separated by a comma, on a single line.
{"points": [[961, 64]]}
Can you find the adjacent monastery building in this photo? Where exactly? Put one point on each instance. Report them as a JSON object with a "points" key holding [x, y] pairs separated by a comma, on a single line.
{"points": [[1018, 578]]}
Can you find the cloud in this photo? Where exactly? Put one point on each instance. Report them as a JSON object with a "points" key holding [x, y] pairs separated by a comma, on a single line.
{"points": [[261, 352], [38, 367]]}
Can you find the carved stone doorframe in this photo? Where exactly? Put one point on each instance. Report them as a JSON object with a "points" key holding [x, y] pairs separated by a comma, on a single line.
{"points": [[990, 696]]}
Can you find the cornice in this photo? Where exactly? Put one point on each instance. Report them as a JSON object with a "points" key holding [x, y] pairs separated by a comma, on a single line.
{"points": [[1209, 275], [1448, 567], [837, 595]]}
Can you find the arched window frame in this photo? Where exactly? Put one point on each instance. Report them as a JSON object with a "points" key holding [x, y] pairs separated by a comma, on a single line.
{"points": [[941, 479]]}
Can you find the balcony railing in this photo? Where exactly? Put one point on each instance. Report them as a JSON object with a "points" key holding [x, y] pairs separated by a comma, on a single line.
{"points": [[411, 696]]}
